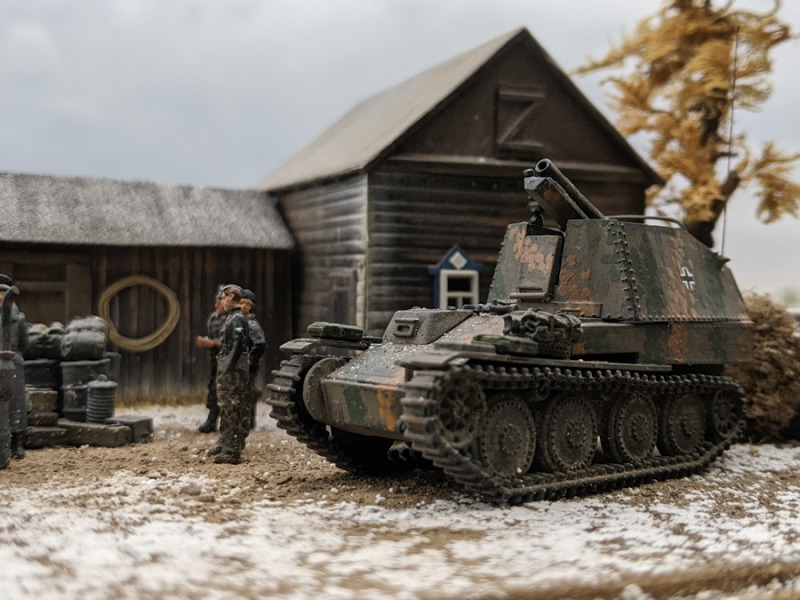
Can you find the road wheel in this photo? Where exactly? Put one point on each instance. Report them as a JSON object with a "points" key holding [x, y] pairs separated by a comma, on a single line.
{"points": [[508, 441], [631, 428], [682, 424], [568, 434]]}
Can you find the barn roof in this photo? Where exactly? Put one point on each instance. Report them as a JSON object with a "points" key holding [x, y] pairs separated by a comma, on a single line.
{"points": [[49, 209], [375, 126]]}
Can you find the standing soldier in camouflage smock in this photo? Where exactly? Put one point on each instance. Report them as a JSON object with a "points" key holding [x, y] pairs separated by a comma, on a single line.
{"points": [[258, 343], [211, 342], [15, 338], [233, 380]]}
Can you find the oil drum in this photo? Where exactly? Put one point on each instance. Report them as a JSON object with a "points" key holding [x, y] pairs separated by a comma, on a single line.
{"points": [[100, 400]]}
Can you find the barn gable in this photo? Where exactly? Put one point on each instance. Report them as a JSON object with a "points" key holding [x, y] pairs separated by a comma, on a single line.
{"points": [[437, 161], [503, 104], [517, 108]]}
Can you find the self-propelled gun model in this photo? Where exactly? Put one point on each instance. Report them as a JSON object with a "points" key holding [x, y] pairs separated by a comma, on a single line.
{"points": [[596, 363]]}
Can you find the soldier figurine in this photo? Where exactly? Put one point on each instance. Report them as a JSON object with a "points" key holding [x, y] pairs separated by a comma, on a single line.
{"points": [[233, 380], [258, 344], [211, 342], [15, 338]]}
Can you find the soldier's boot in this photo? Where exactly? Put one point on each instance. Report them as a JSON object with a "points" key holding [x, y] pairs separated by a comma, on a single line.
{"points": [[210, 425], [214, 451], [17, 445], [230, 458]]}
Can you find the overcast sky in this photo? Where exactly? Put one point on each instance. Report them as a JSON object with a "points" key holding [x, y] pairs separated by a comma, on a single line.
{"points": [[221, 92]]}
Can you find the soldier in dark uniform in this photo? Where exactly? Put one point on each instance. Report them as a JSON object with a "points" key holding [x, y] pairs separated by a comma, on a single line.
{"points": [[258, 344], [211, 342], [17, 339], [233, 380]]}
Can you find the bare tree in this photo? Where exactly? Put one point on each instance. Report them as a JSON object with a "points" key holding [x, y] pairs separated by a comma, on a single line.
{"points": [[676, 80]]}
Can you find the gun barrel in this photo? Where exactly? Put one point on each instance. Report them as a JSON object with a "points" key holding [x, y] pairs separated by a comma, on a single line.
{"points": [[546, 168]]}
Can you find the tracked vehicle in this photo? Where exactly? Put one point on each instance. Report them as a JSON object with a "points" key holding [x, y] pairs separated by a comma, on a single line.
{"points": [[596, 363]]}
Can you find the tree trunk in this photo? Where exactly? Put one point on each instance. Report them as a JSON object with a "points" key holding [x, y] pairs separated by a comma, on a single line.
{"points": [[703, 230]]}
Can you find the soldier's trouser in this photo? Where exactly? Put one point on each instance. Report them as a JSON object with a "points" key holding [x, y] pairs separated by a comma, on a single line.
{"points": [[234, 423], [253, 397], [233, 394], [211, 399]]}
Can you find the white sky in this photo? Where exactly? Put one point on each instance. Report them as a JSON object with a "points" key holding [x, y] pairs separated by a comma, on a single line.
{"points": [[205, 92]]}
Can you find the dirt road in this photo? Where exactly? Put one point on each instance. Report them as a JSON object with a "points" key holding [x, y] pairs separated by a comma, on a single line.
{"points": [[160, 520]]}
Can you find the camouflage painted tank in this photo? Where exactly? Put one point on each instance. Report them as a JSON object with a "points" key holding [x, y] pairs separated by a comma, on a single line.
{"points": [[596, 363]]}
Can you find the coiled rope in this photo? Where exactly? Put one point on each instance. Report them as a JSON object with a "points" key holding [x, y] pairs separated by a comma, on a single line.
{"points": [[148, 342]]}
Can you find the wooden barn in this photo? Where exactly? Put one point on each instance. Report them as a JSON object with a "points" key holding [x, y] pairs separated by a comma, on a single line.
{"points": [[435, 162], [154, 256]]}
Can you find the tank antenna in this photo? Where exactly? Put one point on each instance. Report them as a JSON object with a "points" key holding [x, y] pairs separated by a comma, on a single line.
{"points": [[730, 135]]}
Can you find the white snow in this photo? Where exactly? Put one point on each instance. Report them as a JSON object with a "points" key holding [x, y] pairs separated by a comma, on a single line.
{"points": [[132, 541]]}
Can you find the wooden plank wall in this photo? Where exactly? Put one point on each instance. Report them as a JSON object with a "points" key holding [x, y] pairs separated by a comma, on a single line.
{"points": [[177, 368], [55, 284], [415, 218], [328, 223]]}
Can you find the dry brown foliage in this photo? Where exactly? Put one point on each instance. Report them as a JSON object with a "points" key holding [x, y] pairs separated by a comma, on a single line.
{"points": [[771, 380], [676, 79]]}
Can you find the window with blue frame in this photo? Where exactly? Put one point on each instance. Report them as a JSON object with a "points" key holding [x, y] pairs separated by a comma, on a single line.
{"points": [[456, 280]]}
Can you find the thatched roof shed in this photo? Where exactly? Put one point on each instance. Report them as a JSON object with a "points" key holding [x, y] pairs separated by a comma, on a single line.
{"points": [[88, 211], [69, 242]]}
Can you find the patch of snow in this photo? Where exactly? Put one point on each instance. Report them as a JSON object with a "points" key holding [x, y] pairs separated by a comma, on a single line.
{"points": [[133, 541]]}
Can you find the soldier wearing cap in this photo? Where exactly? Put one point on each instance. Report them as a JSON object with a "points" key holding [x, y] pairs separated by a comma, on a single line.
{"points": [[258, 344], [211, 342], [233, 379], [15, 334]]}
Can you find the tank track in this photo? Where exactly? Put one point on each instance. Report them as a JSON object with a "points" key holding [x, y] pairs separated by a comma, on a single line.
{"points": [[423, 431], [291, 416]]}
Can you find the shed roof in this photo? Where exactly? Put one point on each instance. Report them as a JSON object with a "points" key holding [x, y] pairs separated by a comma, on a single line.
{"points": [[375, 126], [49, 209]]}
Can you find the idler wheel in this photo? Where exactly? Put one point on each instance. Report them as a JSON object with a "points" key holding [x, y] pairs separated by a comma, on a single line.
{"points": [[568, 434], [725, 411], [313, 399], [682, 424], [462, 406], [631, 428], [508, 441]]}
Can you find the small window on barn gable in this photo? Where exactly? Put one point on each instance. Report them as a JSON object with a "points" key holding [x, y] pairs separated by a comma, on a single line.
{"points": [[456, 280], [516, 113]]}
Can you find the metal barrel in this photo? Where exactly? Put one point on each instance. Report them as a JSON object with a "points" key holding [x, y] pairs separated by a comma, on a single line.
{"points": [[43, 373], [101, 399], [84, 371], [74, 396], [545, 168]]}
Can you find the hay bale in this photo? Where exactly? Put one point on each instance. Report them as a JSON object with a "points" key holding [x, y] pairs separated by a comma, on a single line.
{"points": [[771, 380]]}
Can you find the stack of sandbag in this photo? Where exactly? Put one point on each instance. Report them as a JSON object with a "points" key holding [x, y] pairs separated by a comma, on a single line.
{"points": [[60, 363], [42, 358], [42, 385], [71, 383], [83, 349]]}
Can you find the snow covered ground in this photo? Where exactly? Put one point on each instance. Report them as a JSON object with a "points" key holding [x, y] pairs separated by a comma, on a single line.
{"points": [[158, 534]]}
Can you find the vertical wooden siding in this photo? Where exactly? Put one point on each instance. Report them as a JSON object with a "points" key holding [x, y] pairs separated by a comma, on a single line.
{"points": [[415, 218], [328, 223], [177, 367]]}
